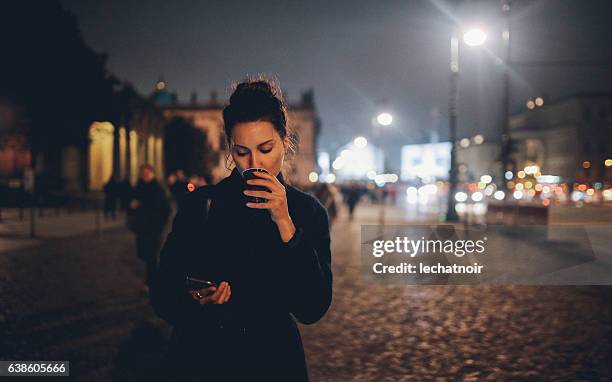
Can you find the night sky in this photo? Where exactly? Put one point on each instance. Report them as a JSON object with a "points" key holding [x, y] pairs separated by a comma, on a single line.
{"points": [[361, 57]]}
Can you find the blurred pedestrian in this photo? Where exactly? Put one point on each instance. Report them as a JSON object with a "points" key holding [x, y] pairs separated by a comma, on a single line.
{"points": [[111, 198], [170, 181], [393, 191], [326, 195], [150, 208], [351, 195], [177, 183], [124, 193]]}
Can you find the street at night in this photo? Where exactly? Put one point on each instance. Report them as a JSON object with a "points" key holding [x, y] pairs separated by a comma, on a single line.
{"points": [[313, 191], [79, 298]]}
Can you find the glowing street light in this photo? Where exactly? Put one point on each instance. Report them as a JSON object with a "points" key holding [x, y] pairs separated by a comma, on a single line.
{"points": [[479, 139], [461, 196], [486, 179], [477, 196], [531, 105], [384, 119], [360, 142], [475, 37]]}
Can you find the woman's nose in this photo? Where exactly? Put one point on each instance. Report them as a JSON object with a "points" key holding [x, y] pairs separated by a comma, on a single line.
{"points": [[254, 161]]}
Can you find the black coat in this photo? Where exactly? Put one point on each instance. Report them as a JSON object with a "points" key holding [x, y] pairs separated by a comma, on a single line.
{"points": [[254, 335]]}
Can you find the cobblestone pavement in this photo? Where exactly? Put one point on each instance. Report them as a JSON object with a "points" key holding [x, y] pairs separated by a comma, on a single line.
{"points": [[16, 230], [78, 299], [457, 333]]}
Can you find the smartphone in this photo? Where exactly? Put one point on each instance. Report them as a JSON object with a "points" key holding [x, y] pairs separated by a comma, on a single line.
{"points": [[193, 283], [248, 174]]}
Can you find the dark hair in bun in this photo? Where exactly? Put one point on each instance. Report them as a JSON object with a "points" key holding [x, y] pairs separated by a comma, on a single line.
{"points": [[256, 100]]}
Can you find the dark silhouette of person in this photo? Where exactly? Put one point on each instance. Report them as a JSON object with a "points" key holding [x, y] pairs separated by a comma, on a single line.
{"points": [[393, 191], [152, 209], [124, 193], [178, 186], [352, 194], [326, 196], [270, 259], [111, 190]]}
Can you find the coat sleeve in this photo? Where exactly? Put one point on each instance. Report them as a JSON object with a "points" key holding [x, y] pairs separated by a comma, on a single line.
{"points": [[308, 269], [169, 298]]}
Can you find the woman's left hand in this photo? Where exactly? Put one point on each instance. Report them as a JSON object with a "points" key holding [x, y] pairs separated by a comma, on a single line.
{"points": [[276, 204]]}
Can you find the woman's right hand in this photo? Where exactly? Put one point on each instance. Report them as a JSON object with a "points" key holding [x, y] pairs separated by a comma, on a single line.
{"points": [[213, 294]]}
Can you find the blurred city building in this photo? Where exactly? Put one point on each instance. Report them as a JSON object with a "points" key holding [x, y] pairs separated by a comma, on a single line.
{"points": [[570, 138], [130, 135], [207, 116], [133, 136], [67, 125], [475, 160]]}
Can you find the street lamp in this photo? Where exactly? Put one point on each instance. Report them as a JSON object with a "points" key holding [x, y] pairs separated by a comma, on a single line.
{"points": [[384, 119], [472, 37], [360, 142], [379, 122]]}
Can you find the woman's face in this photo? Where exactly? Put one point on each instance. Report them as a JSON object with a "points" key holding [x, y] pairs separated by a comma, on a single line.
{"points": [[257, 144]]}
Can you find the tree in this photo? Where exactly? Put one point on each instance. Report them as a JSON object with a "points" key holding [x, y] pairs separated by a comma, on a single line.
{"points": [[187, 148]]}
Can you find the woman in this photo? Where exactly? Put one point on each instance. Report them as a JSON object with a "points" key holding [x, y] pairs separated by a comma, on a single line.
{"points": [[271, 261]]}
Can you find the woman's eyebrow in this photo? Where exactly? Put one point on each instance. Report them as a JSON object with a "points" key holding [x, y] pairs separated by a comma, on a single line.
{"points": [[266, 142], [261, 144]]}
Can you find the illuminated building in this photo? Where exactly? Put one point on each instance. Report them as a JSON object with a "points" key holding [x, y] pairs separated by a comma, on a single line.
{"points": [[562, 136], [428, 162], [131, 137]]}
